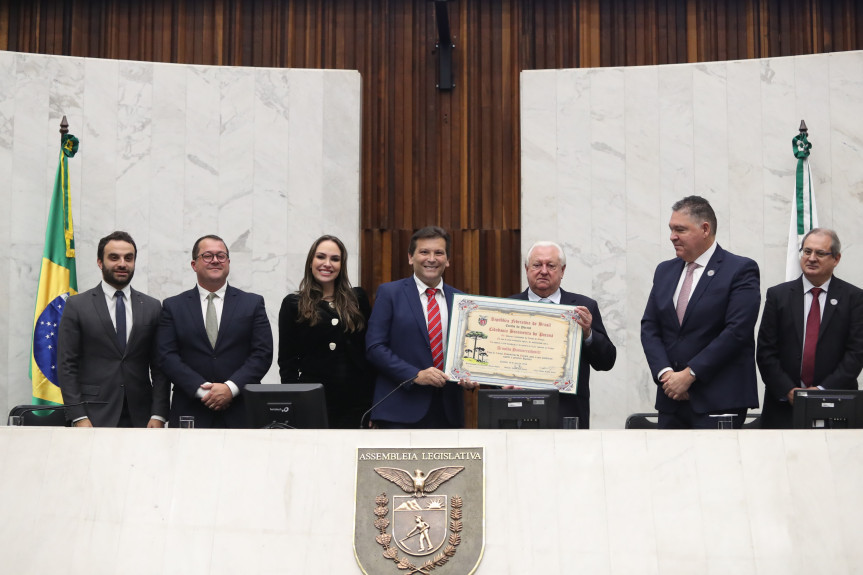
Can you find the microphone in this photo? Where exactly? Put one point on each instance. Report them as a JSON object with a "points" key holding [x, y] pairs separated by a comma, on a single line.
{"points": [[384, 398]]}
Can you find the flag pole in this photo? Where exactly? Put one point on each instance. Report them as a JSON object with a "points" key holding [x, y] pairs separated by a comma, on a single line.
{"points": [[804, 215], [57, 279]]}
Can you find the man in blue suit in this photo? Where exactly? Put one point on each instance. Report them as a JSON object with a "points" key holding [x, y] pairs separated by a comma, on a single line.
{"points": [[544, 265], [213, 340], [698, 329], [409, 316]]}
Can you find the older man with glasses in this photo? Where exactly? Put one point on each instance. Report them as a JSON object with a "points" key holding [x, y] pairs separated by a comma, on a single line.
{"points": [[544, 265], [811, 332]]}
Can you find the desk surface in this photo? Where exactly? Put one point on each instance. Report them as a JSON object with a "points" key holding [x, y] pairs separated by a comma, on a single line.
{"points": [[249, 501]]}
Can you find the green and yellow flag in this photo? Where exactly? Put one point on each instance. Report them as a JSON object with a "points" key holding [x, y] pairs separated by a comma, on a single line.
{"points": [[57, 281]]}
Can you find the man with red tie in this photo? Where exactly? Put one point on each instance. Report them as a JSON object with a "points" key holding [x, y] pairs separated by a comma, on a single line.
{"points": [[698, 328], [811, 332], [406, 338]]}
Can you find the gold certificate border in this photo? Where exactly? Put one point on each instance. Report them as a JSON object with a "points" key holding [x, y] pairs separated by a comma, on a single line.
{"points": [[555, 351]]}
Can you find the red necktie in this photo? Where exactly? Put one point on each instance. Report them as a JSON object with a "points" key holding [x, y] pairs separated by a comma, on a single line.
{"points": [[813, 324], [435, 329]]}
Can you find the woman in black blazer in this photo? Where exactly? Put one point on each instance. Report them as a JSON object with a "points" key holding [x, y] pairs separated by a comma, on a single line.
{"points": [[322, 332]]}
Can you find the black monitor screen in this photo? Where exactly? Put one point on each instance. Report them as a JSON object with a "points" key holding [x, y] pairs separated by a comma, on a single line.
{"points": [[828, 409], [517, 409], [286, 406]]}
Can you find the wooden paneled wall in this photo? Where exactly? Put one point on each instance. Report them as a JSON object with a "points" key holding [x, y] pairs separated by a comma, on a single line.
{"points": [[431, 157]]}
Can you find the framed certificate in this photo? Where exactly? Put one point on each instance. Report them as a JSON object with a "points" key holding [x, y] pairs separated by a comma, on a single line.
{"points": [[497, 341]]}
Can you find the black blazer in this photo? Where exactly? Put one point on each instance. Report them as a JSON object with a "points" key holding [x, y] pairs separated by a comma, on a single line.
{"points": [[600, 355], [838, 354], [93, 368], [326, 353]]}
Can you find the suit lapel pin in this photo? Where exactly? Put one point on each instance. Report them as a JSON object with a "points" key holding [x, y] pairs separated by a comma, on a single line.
{"points": [[834, 301], [710, 273]]}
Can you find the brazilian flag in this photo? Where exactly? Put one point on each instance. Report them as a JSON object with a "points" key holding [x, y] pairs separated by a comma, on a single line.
{"points": [[57, 281]]}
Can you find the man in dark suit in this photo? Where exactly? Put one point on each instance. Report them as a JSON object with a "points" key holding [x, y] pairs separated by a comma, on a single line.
{"points": [[545, 264], [406, 338], [106, 347], [811, 332], [213, 340], [698, 329]]}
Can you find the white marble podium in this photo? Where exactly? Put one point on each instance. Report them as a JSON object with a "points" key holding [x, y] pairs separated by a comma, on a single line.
{"points": [[268, 502]]}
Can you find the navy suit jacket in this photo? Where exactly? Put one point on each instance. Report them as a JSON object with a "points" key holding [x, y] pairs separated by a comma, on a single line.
{"points": [[93, 368], [243, 352], [838, 353], [600, 355], [717, 336], [397, 344]]}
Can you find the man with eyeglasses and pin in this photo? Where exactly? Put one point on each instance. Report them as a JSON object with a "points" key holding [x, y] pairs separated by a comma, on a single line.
{"points": [[811, 332], [213, 340], [544, 265]]}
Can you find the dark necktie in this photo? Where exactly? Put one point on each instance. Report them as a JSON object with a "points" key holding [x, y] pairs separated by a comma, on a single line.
{"points": [[813, 325], [435, 329], [120, 313], [685, 289]]}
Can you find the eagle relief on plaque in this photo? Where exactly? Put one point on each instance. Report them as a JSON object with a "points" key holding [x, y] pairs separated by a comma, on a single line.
{"points": [[419, 510]]}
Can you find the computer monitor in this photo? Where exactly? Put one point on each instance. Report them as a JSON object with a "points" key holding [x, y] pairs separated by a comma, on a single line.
{"points": [[518, 409], [286, 406], [828, 409]]}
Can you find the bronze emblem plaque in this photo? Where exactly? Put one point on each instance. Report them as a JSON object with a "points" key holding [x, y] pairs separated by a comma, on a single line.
{"points": [[419, 510]]}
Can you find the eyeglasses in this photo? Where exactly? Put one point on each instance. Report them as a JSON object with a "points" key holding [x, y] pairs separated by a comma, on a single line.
{"points": [[536, 266], [208, 257], [807, 252]]}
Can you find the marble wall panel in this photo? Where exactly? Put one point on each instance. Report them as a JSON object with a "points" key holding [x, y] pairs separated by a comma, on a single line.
{"points": [[643, 205], [745, 182], [99, 163], [812, 87], [170, 153], [572, 205], [722, 130], [7, 136], [306, 167], [846, 139], [676, 145], [779, 126], [539, 165], [169, 251], [341, 94], [710, 140], [31, 189]]}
